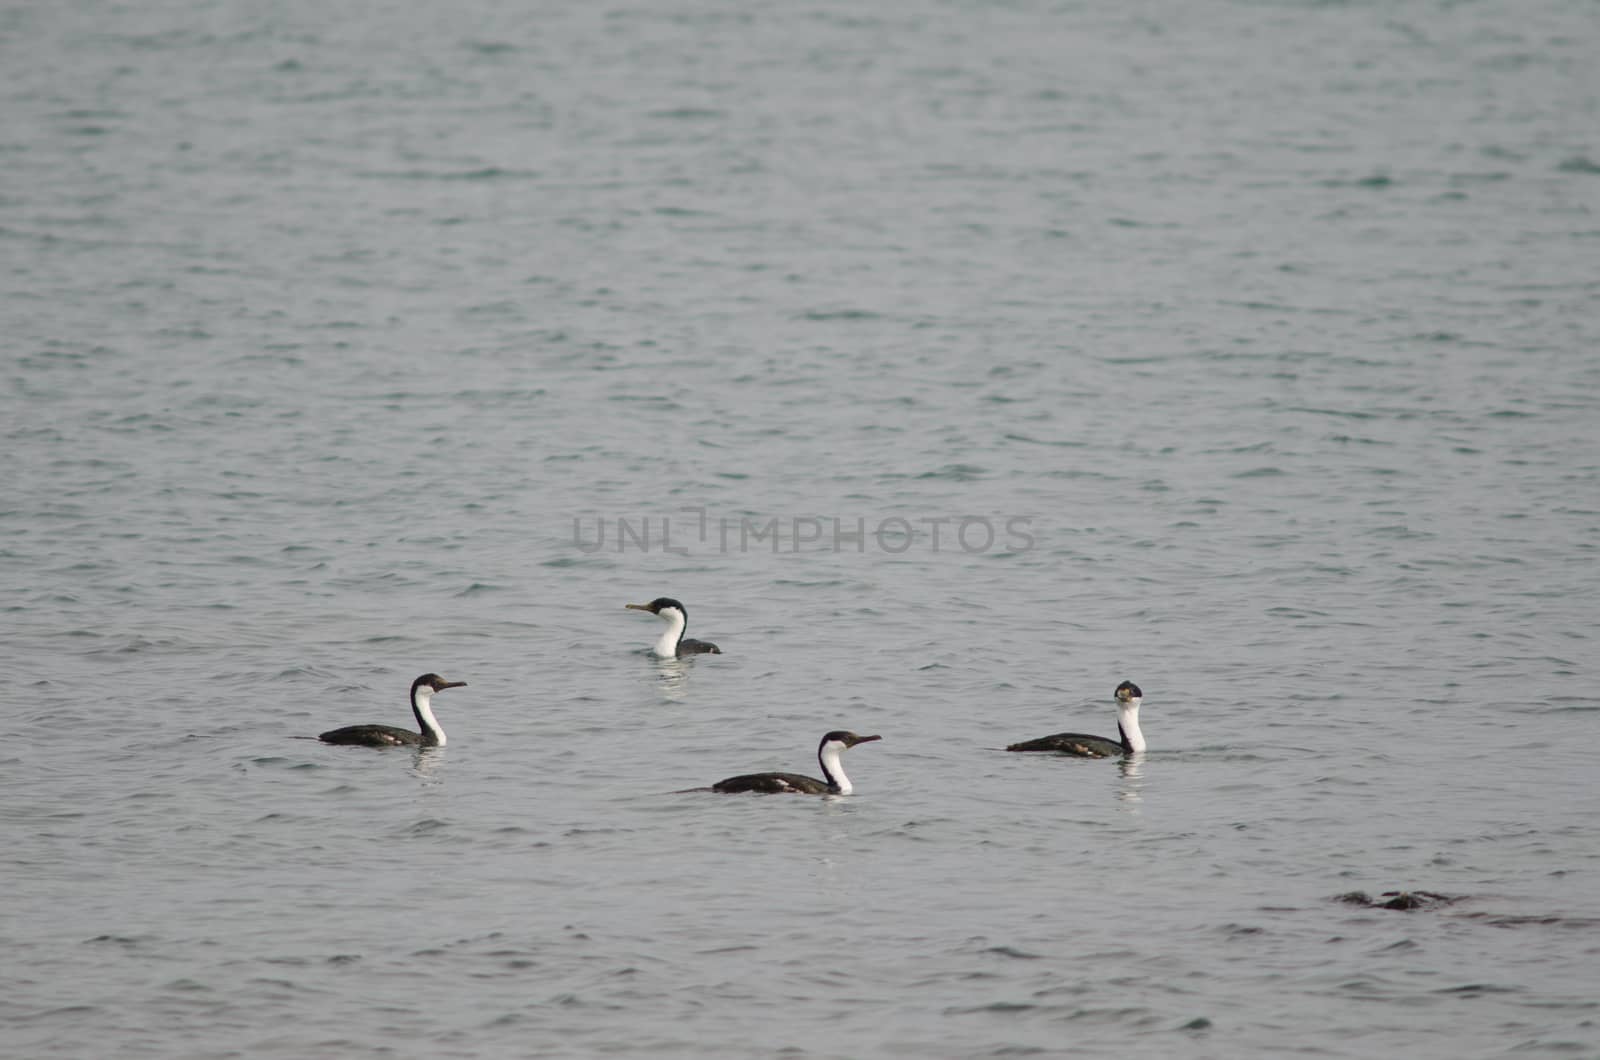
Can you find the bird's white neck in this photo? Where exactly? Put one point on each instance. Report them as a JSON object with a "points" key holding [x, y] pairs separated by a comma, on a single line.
{"points": [[832, 769], [1128, 722], [667, 646], [422, 706]]}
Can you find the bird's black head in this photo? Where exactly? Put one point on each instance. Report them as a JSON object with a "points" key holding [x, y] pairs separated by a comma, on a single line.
{"points": [[659, 604], [435, 683], [849, 739], [1128, 690]]}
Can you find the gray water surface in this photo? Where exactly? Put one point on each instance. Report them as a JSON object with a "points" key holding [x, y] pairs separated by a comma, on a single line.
{"points": [[1262, 337]]}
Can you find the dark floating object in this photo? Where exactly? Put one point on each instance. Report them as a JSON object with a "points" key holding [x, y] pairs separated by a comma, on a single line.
{"points": [[1398, 899], [828, 751], [672, 643], [1130, 741], [422, 690]]}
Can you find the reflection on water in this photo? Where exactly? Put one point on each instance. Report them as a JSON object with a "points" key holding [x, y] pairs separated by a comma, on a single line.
{"points": [[425, 765], [1130, 790], [672, 678]]}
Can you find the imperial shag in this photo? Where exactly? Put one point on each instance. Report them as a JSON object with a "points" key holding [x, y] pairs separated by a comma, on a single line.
{"points": [[828, 751], [422, 690], [1076, 743], [672, 643]]}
